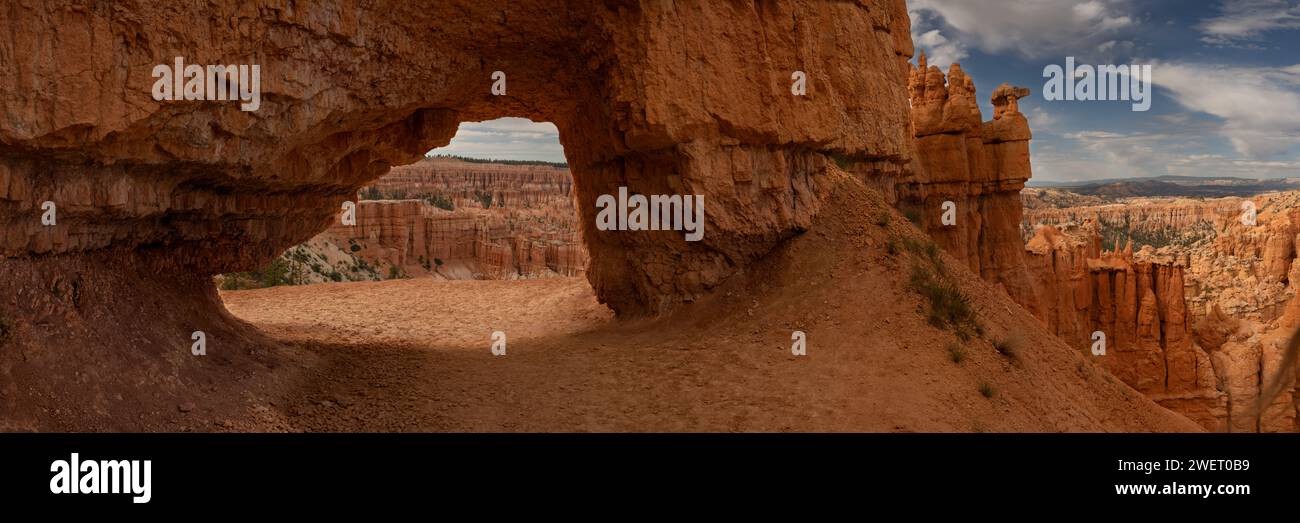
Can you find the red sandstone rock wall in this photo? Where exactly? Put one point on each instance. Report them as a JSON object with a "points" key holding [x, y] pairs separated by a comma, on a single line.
{"points": [[646, 95]]}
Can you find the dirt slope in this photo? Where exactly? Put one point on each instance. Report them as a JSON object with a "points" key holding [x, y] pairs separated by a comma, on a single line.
{"points": [[414, 354]]}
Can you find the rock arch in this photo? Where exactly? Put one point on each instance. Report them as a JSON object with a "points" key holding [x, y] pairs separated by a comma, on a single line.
{"points": [[662, 98]]}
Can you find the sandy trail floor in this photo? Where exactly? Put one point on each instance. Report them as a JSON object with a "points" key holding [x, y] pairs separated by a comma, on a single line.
{"points": [[414, 355]]}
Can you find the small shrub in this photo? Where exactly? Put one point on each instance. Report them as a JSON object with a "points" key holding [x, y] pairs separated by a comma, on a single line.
{"points": [[6, 330], [354, 247], [986, 390], [931, 252], [892, 247], [949, 306], [956, 354], [437, 261], [962, 334], [913, 215], [925, 248], [1009, 346], [441, 201], [843, 162], [882, 219]]}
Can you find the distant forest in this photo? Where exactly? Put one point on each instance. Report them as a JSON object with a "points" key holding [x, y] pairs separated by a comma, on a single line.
{"points": [[557, 165]]}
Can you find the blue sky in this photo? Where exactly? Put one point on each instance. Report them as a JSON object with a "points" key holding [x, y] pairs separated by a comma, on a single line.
{"points": [[1227, 83], [1226, 74]]}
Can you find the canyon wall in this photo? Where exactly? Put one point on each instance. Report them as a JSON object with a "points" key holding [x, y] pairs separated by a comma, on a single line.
{"points": [[1243, 269], [658, 97], [1137, 306], [1199, 324]]}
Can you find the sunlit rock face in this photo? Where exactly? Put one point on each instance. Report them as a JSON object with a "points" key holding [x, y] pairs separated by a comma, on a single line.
{"points": [[657, 97], [1132, 304]]}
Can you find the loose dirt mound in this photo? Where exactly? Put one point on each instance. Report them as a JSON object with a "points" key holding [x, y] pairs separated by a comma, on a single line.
{"points": [[414, 354], [100, 342]]}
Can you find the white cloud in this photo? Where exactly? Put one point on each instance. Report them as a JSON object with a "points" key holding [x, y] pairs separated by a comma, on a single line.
{"points": [[1093, 136], [512, 125], [1031, 28], [1176, 149], [1241, 21], [1040, 120], [939, 50], [1258, 106], [1094, 155], [506, 139]]}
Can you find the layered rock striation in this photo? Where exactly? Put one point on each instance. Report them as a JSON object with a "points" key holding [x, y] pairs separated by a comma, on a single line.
{"points": [[1209, 367], [646, 95], [494, 243], [469, 184], [1135, 307]]}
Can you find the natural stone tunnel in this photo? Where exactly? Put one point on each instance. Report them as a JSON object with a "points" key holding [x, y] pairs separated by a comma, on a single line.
{"points": [[660, 97]]}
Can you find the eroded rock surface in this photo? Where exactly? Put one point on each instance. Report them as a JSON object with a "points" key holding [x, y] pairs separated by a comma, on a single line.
{"points": [[645, 96], [1137, 306], [979, 167], [1209, 367], [459, 219], [469, 243]]}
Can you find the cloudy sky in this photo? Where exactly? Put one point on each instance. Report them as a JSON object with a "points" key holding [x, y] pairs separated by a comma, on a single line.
{"points": [[506, 139], [1227, 83]]}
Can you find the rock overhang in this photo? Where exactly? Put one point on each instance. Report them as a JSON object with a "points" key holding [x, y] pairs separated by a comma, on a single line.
{"points": [[658, 98]]}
